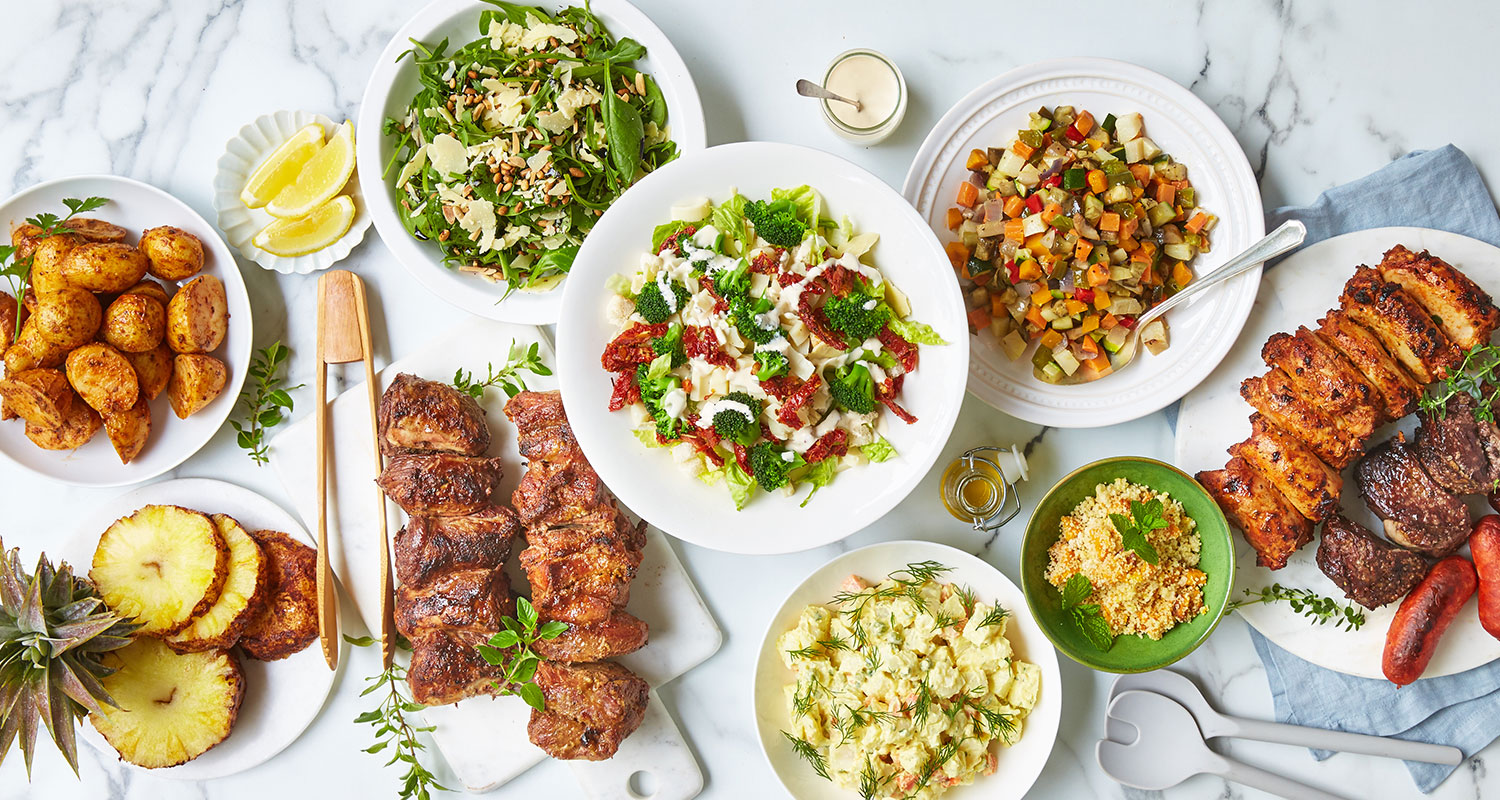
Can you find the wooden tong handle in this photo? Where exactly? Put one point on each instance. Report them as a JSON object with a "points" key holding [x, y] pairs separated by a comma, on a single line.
{"points": [[387, 590]]}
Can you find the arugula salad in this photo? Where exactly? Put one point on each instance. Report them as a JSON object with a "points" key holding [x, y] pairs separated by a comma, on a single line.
{"points": [[519, 140], [756, 342]]}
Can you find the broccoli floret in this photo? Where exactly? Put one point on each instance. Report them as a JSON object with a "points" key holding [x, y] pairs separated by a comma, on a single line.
{"points": [[653, 307], [731, 425], [769, 465], [652, 394], [745, 313], [859, 315], [670, 343], [769, 364], [853, 388], [733, 282], [776, 222]]}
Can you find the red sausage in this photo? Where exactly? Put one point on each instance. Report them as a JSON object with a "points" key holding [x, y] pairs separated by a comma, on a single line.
{"points": [[1484, 547], [1423, 616]]}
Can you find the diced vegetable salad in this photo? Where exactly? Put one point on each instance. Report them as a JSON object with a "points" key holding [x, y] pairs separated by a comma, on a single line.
{"points": [[1070, 233], [755, 340], [519, 140]]}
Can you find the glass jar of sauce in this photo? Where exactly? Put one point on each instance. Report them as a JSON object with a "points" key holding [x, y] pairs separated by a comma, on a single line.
{"points": [[875, 81], [979, 487]]}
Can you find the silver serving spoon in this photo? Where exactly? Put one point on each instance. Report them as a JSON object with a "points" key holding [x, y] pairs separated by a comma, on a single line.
{"points": [[1168, 749], [807, 88], [1283, 239]]}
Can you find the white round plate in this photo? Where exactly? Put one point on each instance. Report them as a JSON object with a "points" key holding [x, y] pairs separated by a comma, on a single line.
{"points": [[648, 481], [391, 89], [281, 697], [1018, 766], [1298, 291], [242, 155], [1185, 127], [137, 206]]}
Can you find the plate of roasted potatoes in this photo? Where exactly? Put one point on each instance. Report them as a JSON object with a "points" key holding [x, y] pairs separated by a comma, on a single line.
{"points": [[223, 671], [125, 331]]}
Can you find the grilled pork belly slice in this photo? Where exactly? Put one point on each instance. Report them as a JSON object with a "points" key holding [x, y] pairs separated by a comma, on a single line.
{"points": [[1466, 313], [1370, 570], [1270, 522], [471, 599], [1457, 449], [431, 546], [542, 429], [445, 667], [418, 415], [1398, 391], [621, 633], [440, 485], [1418, 514], [1402, 325], [1320, 371], [1274, 396], [1310, 485], [591, 708]]}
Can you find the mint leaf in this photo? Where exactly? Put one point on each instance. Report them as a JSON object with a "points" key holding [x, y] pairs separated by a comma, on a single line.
{"points": [[1091, 622], [1132, 532], [1076, 590]]}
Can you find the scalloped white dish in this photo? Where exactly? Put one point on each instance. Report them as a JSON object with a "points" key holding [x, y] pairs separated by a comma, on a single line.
{"points": [[242, 155], [1203, 329]]}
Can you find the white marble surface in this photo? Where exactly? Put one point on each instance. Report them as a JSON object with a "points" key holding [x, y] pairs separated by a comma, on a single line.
{"points": [[1318, 94]]}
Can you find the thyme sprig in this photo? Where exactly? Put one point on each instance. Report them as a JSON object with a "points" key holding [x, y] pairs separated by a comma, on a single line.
{"points": [[266, 404], [17, 271], [1475, 376], [393, 730], [1307, 603], [507, 376]]}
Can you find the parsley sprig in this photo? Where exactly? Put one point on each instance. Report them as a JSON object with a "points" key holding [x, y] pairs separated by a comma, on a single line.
{"points": [[393, 730], [1086, 615], [17, 271], [266, 404], [520, 359], [510, 650], [1144, 518], [1307, 603], [1475, 377]]}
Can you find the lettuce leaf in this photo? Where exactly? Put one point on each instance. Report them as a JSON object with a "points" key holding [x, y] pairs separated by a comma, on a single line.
{"points": [[619, 284], [740, 484], [809, 204], [819, 475], [879, 450], [660, 233], [915, 332], [729, 218]]}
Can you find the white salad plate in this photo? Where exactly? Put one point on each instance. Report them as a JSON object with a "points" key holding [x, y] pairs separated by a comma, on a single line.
{"points": [[1017, 767], [242, 155], [1299, 291], [281, 697], [1187, 129], [649, 481], [137, 206], [393, 85]]}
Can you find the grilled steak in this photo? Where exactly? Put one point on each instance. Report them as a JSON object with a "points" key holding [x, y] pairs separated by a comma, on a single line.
{"points": [[1452, 447], [1370, 570], [1418, 514]]}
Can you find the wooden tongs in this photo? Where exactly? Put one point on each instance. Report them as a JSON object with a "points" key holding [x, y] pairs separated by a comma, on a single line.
{"points": [[343, 337]]}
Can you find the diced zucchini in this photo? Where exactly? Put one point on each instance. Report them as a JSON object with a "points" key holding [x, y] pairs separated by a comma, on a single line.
{"points": [[1065, 361], [1174, 171], [1118, 193], [1093, 208], [998, 181], [1115, 339], [1041, 358], [1129, 127], [1062, 324], [1013, 345], [1051, 373], [1160, 214], [1123, 306]]}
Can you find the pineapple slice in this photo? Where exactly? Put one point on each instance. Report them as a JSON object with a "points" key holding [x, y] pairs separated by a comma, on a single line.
{"points": [[163, 565], [243, 595], [172, 707]]}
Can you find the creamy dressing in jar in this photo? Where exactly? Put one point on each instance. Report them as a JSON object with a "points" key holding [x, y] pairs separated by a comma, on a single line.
{"points": [[873, 80]]}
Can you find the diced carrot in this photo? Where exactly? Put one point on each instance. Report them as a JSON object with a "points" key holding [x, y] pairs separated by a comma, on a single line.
{"points": [[1182, 274], [1089, 347], [1084, 123], [1165, 193], [958, 254], [1041, 297], [1098, 275], [977, 160], [1141, 172], [1014, 205], [997, 305], [1034, 316], [1090, 323], [1082, 249], [1149, 247], [1100, 364], [1015, 230], [1051, 339], [1109, 221], [1196, 223], [1028, 270], [980, 318], [955, 219], [1140, 255], [1128, 244], [1022, 149], [1138, 191], [984, 278], [1050, 211], [1108, 321], [968, 194], [1075, 306], [1097, 181], [1149, 278], [1102, 301], [1129, 226]]}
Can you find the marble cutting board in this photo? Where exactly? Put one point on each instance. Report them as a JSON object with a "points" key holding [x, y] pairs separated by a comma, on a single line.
{"points": [[484, 739]]}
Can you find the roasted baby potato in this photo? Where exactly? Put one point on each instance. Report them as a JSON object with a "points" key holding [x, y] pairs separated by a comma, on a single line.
{"points": [[196, 380], [39, 396], [24, 238], [9, 309], [78, 427], [129, 430], [153, 369], [175, 254], [96, 230], [47, 262], [68, 317], [104, 266], [151, 289], [103, 378], [198, 316], [32, 350], [134, 323]]}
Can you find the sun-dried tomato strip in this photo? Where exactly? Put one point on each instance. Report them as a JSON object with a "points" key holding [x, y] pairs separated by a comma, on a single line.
{"points": [[720, 304], [742, 457], [767, 262], [781, 386], [673, 240], [796, 400], [832, 443], [886, 393], [701, 342], [703, 440], [632, 347], [813, 318], [626, 392], [787, 278], [839, 280], [904, 351]]}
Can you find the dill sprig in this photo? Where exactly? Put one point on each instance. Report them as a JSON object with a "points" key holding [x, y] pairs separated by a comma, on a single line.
{"points": [[520, 359], [810, 754], [997, 724], [934, 762], [1475, 377], [869, 782], [393, 729], [266, 404], [995, 616], [966, 597], [1307, 603]]}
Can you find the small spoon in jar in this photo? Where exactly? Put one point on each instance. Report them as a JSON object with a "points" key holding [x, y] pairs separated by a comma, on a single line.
{"points": [[807, 88]]}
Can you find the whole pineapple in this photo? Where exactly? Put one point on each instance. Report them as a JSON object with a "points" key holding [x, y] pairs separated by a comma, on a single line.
{"points": [[53, 629]]}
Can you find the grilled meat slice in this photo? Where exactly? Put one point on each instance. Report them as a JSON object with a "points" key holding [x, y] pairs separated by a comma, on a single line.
{"points": [[419, 415], [1310, 485], [1452, 447], [542, 429], [1397, 390], [1274, 396], [591, 708], [1401, 323], [1320, 371], [1466, 313], [579, 577], [1418, 514], [431, 546], [445, 667], [469, 599], [1269, 521], [440, 485], [557, 493], [1370, 570], [621, 633]]}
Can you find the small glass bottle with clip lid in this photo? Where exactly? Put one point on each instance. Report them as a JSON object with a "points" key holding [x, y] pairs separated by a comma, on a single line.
{"points": [[979, 487]]}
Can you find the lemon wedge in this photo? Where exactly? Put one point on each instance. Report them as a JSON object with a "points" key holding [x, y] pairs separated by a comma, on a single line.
{"points": [[322, 178], [280, 169], [309, 233]]}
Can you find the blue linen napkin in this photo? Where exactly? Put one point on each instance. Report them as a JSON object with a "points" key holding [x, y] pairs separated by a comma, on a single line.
{"points": [[1426, 189]]}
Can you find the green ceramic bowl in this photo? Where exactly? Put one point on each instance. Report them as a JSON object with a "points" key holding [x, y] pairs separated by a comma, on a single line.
{"points": [[1129, 653]]}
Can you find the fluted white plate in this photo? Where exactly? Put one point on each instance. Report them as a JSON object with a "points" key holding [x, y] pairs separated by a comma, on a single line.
{"points": [[242, 155], [1185, 127]]}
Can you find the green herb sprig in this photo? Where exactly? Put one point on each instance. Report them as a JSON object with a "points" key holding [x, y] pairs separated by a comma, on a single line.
{"points": [[393, 730], [1144, 518], [17, 271], [1476, 374], [1086, 615], [1307, 603], [906, 582], [805, 750], [520, 359], [266, 403], [510, 650]]}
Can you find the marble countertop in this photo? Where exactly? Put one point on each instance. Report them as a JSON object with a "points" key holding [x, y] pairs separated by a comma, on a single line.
{"points": [[1317, 93]]}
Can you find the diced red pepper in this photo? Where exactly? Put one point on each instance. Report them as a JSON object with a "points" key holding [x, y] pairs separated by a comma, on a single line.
{"points": [[631, 348], [796, 400], [1053, 182], [1084, 295], [1072, 134], [626, 392], [1128, 322], [832, 443], [904, 351], [1014, 271], [1034, 204]]}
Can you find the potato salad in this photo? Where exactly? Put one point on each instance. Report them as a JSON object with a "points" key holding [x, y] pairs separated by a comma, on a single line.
{"points": [[755, 340], [904, 687]]}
